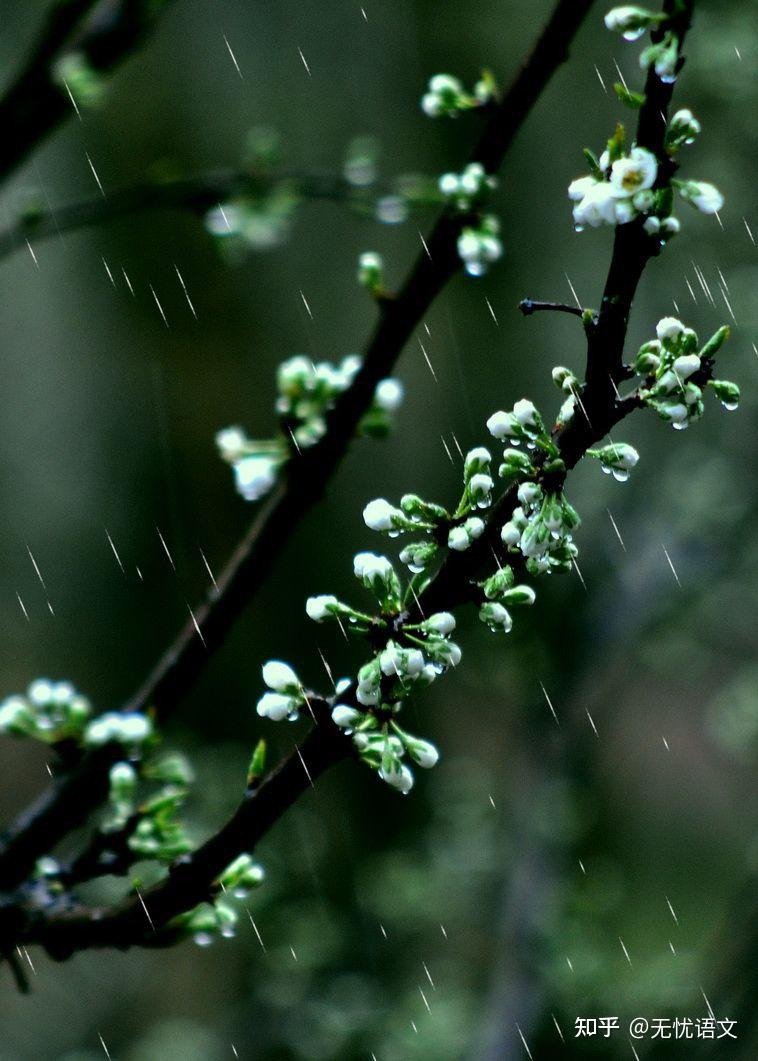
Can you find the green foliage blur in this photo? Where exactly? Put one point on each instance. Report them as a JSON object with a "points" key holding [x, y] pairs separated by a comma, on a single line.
{"points": [[498, 894]]}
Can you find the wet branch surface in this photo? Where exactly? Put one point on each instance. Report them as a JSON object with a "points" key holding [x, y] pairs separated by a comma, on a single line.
{"points": [[78, 792]]}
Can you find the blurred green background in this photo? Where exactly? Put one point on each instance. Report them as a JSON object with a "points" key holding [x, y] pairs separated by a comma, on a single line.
{"points": [[496, 897]]}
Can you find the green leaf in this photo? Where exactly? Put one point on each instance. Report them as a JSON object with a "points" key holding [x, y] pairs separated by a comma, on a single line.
{"points": [[594, 164], [630, 99], [257, 767]]}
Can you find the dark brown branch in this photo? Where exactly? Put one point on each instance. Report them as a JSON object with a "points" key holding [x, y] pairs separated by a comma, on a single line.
{"points": [[35, 104], [632, 246], [528, 306], [74, 797], [601, 407], [191, 878]]}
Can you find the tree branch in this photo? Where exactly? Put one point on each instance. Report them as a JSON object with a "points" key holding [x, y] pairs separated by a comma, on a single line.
{"points": [[528, 306], [74, 797], [196, 194], [139, 921], [35, 104]]}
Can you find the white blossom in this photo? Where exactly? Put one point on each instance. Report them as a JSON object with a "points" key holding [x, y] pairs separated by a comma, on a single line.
{"points": [[580, 187], [480, 487], [634, 172], [372, 568], [598, 207]]}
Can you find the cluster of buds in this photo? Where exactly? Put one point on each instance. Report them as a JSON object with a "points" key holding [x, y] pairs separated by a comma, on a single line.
{"points": [[567, 383], [623, 184], [285, 696], [132, 729], [219, 917], [254, 223], [500, 593], [159, 834], [479, 243], [541, 528], [55, 711], [675, 370], [50, 712], [446, 96], [407, 663], [618, 190], [458, 529], [307, 391]]}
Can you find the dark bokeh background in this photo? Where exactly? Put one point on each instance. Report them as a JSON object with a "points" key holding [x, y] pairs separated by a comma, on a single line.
{"points": [[514, 870]]}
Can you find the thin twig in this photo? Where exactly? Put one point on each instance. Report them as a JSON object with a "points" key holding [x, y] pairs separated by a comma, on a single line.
{"points": [[191, 878], [528, 306], [196, 194], [73, 798]]}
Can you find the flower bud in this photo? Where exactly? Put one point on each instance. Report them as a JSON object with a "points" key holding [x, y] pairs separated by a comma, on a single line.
{"points": [[371, 271], [703, 195], [630, 20], [682, 129], [276, 706], [422, 752], [498, 584], [496, 617], [728, 393], [380, 515], [323, 607], [519, 595], [477, 460], [345, 717], [397, 776], [669, 329], [280, 677], [442, 623]]}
